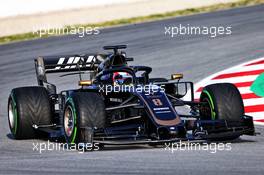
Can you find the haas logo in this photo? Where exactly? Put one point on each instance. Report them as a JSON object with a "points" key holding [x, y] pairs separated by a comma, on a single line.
{"points": [[72, 61]]}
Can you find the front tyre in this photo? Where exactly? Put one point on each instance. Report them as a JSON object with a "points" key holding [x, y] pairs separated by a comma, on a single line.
{"points": [[82, 110], [223, 101]]}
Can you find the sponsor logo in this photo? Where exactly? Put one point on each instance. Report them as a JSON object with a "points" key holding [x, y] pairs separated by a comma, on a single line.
{"points": [[74, 60]]}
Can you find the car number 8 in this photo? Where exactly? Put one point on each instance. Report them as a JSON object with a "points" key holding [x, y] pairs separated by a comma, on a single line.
{"points": [[157, 102]]}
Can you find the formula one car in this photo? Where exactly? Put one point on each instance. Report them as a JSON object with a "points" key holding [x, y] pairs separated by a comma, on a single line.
{"points": [[121, 104]]}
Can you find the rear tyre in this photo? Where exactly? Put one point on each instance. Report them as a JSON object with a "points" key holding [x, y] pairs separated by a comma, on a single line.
{"points": [[82, 109], [28, 106]]}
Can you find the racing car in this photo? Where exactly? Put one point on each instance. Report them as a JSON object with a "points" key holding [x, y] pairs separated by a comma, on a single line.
{"points": [[120, 104]]}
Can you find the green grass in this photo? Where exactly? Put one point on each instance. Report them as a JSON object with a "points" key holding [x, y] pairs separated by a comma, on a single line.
{"points": [[191, 11]]}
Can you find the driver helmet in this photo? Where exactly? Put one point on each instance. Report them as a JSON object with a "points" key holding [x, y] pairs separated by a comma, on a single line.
{"points": [[122, 78]]}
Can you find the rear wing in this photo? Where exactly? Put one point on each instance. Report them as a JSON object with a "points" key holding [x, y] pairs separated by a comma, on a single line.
{"points": [[66, 63]]}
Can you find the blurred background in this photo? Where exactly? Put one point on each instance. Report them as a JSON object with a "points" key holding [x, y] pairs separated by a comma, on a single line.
{"points": [[22, 16]]}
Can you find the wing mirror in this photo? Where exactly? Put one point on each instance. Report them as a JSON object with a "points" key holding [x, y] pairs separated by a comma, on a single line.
{"points": [[85, 82], [176, 76]]}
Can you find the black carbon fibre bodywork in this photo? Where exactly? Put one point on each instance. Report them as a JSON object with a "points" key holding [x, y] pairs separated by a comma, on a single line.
{"points": [[133, 117]]}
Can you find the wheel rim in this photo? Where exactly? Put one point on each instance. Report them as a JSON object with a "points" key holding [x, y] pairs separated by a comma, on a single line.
{"points": [[11, 115], [207, 109], [68, 121]]}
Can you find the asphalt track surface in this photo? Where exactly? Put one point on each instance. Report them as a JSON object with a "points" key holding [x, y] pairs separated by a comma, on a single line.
{"points": [[195, 56]]}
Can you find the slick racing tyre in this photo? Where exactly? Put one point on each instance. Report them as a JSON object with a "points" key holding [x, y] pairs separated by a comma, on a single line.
{"points": [[82, 110], [28, 106], [223, 101]]}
